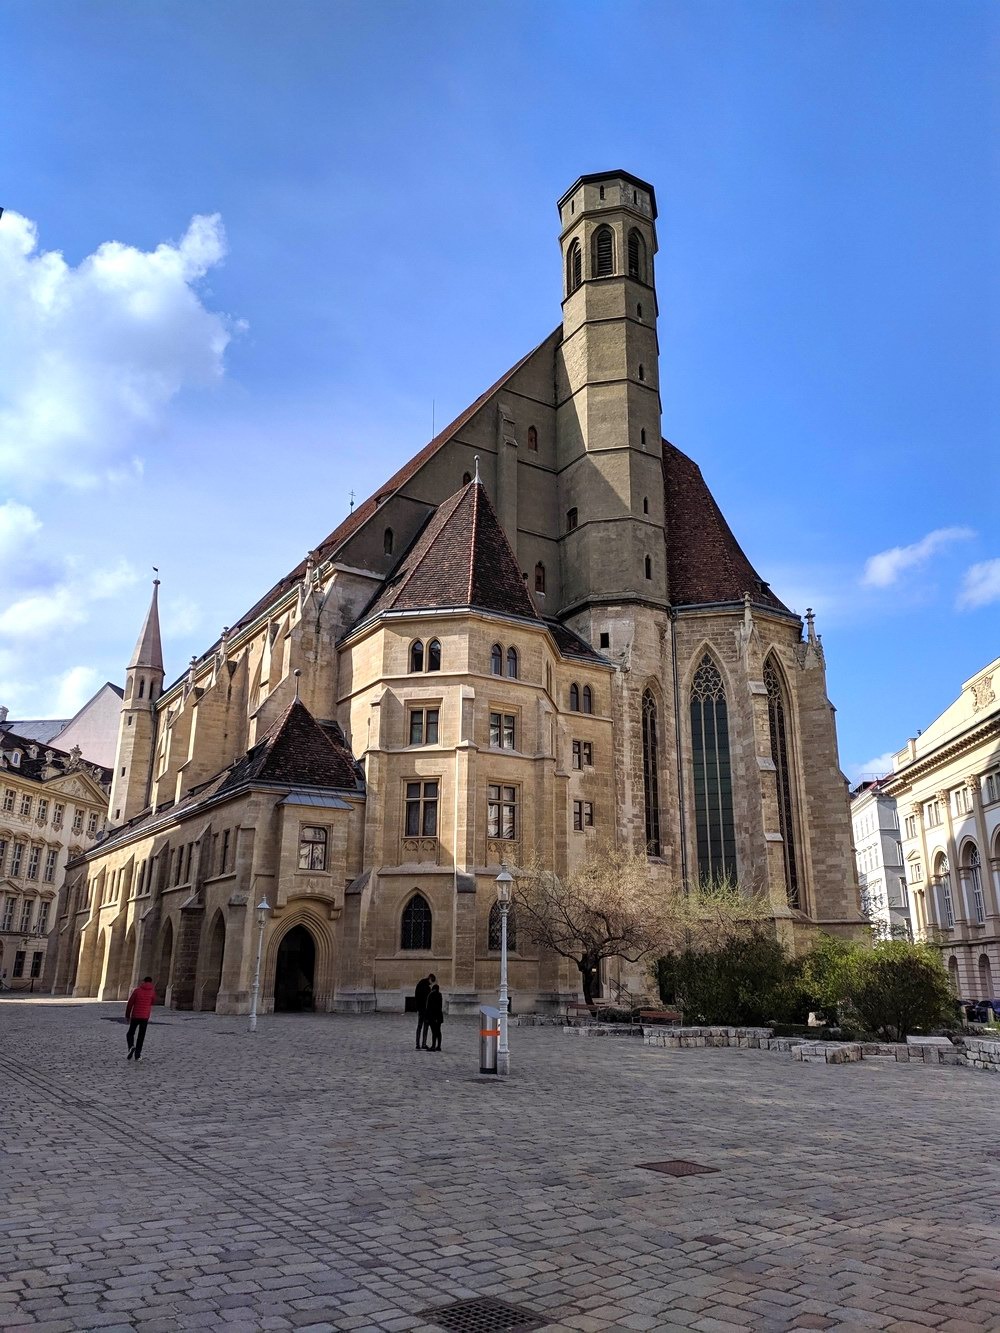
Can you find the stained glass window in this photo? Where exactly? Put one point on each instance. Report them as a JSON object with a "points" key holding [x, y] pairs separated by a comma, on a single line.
{"points": [[779, 753], [712, 775]]}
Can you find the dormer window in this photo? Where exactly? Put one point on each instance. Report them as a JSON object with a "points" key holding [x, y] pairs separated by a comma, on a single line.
{"points": [[15, 758]]}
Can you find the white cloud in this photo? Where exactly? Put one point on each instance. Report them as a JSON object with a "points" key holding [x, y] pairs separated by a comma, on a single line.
{"points": [[876, 767], [884, 569], [179, 616], [980, 585], [64, 605], [91, 356], [18, 524], [74, 688]]}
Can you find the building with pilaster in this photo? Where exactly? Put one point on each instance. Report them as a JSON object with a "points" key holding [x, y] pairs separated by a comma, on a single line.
{"points": [[946, 784], [53, 806], [539, 634]]}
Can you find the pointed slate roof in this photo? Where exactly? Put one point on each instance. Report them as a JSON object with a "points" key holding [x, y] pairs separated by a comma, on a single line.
{"points": [[705, 562], [148, 652], [298, 751], [461, 558]]}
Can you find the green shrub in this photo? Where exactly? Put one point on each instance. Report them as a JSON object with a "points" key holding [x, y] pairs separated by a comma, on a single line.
{"points": [[897, 988], [746, 980]]}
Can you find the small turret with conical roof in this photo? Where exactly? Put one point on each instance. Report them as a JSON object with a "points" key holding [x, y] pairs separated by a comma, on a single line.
{"points": [[137, 728]]}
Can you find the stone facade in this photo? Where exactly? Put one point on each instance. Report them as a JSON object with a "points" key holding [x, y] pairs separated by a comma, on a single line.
{"points": [[661, 696], [946, 784], [885, 898]]}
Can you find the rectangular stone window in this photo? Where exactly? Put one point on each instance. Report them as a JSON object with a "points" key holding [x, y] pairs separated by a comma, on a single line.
{"points": [[501, 812], [578, 754], [42, 925], [424, 726], [991, 788], [34, 856], [583, 815], [932, 814], [911, 826], [961, 801], [421, 809], [77, 821], [43, 810], [503, 730], [8, 914], [224, 861], [3, 853], [25, 806], [36, 964], [312, 848], [25, 925], [92, 825], [19, 963], [58, 811], [8, 799], [15, 859]]}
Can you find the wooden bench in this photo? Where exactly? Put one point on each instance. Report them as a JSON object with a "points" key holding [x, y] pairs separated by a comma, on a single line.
{"points": [[660, 1016]]}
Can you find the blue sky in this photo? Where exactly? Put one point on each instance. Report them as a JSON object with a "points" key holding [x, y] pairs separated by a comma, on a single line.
{"points": [[374, 187]]}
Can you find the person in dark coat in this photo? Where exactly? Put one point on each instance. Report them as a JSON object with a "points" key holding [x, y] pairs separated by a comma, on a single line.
{"points": [[435, 1016], [420, 995], [137, 1011]]}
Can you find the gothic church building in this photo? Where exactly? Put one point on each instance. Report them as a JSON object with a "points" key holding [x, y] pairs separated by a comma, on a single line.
{"points": [[538, 636]]}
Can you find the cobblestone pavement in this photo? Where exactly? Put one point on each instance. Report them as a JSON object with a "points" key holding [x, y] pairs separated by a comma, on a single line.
{"points": [[323, 1175]]}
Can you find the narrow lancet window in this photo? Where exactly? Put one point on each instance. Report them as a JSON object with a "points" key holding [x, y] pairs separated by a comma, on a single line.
{"points": [[779, 753], [651, 774], [712, 776]]}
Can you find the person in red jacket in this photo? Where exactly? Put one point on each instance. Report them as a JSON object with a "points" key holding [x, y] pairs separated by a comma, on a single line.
{"points": [[139, 1007]]}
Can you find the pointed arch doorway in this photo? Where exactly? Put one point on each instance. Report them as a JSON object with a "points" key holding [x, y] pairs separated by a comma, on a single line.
{"points": [[294, 973]]}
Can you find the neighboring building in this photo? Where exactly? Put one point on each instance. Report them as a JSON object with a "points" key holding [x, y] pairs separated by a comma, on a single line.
{"points": [[52, 808], [93, 729], [540, 633], [946, 784], [879, 856]]}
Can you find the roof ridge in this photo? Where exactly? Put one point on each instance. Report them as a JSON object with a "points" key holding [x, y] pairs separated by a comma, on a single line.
{"points": [[473, 536]]}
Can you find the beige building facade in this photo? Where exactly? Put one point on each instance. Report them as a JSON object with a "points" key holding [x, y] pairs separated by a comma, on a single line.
{"points": [[53, 806], [946, 783], [540, 634]]}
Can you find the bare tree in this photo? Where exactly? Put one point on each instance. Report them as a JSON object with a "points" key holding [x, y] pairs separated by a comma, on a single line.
{"points": [[609, 906]]}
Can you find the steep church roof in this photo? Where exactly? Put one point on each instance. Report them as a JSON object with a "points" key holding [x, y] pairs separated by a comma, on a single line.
{"points": [[148, 652], [360, 516], [461, 558], [297, 751], [705, 562]]}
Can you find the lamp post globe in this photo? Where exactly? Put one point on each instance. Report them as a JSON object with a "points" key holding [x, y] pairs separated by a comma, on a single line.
{"points": [[263, 907], [505, 894]]}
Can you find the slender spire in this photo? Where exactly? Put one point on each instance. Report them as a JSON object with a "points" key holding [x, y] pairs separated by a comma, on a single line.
{"points": [[148, 652]]}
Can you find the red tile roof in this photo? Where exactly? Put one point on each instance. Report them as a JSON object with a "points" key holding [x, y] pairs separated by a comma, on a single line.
{"points": [[462, 558], [705, 562]]}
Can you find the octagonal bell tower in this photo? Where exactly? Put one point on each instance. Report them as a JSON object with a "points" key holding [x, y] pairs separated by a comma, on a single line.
{"points": [[608, 396]]}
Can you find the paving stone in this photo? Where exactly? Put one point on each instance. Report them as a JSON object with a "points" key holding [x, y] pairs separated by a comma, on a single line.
{"points": [[292, 1183]]}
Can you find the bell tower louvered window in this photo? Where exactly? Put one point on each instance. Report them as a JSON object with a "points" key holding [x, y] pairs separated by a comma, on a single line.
{"points": [[712, 775], [636, 256], [779, 753], [574, 267], [651, 774], [604, 252]]}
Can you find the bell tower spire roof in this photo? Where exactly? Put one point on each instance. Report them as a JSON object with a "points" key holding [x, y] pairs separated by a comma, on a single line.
{"points": [[148, 652]]}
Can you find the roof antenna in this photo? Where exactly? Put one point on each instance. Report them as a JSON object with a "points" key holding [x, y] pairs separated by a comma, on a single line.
{"points": [[296, 673], [352, 500], [433, 419], [476, 477]]}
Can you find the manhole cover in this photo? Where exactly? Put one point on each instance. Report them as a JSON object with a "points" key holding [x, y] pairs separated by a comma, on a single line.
{"points": [[677, 1167], [485, 1315]]}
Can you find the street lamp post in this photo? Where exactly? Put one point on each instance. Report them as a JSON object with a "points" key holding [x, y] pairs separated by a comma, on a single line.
{"points": [[505, 891], [263, 907]]}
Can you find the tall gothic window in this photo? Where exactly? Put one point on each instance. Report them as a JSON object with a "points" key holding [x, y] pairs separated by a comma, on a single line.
{"points": [[713, 779], [415, 926], [636, 256], [604, 252], [574, 267], [651, 774], [783, 775]]}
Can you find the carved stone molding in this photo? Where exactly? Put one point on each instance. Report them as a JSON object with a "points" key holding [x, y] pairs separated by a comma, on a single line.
{"points": [[983, 693]]}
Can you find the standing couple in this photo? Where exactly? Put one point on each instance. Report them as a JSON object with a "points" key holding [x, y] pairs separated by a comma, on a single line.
{"points": [[430, 1013]]}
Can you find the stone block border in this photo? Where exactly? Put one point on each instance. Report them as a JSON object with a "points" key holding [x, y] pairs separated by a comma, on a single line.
{"points": [[973, 1052]]}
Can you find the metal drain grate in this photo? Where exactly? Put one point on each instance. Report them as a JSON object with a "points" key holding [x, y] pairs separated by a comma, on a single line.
{"points": [[677, 1167], [485, 1315]]}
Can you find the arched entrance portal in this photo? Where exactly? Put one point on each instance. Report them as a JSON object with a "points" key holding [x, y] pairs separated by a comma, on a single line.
{"points": [[293, 975], [213, 963]]}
